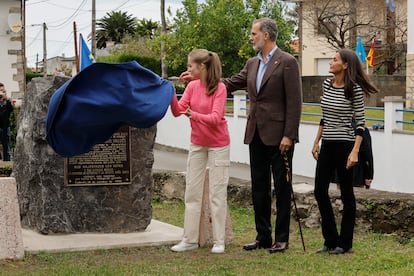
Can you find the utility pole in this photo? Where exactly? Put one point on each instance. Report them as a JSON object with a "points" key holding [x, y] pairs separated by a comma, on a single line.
{"points": [[93, 35], [163, 31], [44, 51], [24, 48]]}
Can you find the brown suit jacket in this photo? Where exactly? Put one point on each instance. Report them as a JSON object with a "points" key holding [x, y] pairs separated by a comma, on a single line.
{"points": [[275, 111]]}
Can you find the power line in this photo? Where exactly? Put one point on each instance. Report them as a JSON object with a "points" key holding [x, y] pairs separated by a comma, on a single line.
{"points": [[121, 5], [35, 38], [70, 17], [65, 20], [66, 42]]}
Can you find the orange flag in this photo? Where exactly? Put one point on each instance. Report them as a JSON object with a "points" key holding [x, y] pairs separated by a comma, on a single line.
{"points": [[370, 56]]}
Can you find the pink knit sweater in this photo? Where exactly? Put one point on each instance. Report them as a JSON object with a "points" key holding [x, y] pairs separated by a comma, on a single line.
{"points": [[208, 125]]}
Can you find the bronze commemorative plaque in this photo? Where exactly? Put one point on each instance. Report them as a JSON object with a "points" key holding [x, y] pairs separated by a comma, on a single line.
{"points": [[107, 164]]}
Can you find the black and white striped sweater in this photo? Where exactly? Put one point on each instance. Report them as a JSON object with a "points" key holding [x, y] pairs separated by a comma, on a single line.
{"points": [[337, 113]]}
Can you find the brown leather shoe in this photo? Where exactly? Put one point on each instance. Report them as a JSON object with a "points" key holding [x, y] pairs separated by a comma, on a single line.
{"points": [[278, 247], [256, 245]]}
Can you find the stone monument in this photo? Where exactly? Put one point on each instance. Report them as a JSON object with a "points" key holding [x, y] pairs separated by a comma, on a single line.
{"points": [[48, 205]]}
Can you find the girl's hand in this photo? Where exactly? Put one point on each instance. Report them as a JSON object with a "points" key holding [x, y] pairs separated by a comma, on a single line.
{"points": [[187, 112]]}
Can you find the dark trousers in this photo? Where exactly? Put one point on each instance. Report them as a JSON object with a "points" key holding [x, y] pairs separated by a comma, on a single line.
{"points": [[264, 161], [5, 141], [333, 156]]}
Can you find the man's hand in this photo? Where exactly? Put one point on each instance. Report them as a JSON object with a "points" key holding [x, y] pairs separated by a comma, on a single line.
{"points": [[285, 144]]}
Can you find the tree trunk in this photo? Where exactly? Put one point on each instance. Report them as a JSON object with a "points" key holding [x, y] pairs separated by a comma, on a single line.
{"points": [[390, 58], [353, 19]]}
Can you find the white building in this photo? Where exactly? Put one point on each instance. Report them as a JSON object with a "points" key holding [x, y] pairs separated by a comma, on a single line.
{"points": [[370, 18], [61, 65], [352, 17], [11, 47]]}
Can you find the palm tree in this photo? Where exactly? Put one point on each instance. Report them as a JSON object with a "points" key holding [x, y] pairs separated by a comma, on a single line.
{"points": [[114, 27], [146, 28]]}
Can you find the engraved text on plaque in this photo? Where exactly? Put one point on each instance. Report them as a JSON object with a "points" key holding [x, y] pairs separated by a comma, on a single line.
{"points": [[107, 164]]}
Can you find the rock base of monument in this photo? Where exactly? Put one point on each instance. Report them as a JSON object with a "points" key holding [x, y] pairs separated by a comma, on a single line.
{"points": [[206, 227], [49, 206]]}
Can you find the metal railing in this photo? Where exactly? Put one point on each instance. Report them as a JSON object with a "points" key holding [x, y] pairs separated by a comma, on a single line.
{"points": [[402, 121], [243, 109]]}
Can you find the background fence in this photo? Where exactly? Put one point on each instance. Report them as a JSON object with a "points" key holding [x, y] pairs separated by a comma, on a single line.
{"points": [[393, 148]]}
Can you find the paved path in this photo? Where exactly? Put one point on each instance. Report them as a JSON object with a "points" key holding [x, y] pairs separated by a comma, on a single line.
{"points": [[175, 160], [157, 233]]}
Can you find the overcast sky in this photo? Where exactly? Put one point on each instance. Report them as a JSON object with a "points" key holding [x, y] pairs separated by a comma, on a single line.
{"points": [[59, 16]]}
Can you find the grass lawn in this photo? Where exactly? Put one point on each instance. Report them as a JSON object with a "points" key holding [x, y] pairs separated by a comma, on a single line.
{"points": [[373, 254]]}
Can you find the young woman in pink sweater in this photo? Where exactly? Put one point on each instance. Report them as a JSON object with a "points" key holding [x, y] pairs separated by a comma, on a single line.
{"points": [[203, 102]]}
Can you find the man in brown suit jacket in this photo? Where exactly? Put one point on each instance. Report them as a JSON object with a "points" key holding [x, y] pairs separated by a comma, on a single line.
{"points": [[274, 87]]}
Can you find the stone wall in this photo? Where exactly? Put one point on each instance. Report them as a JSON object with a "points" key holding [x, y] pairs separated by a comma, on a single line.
{"points": [[389, 85], [48, 206], [11, 240], [377, 211], [410, 81]]}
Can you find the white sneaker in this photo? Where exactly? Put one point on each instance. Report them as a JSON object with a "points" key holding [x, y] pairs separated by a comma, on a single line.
{"points": [[184, 246], [218, 248]]}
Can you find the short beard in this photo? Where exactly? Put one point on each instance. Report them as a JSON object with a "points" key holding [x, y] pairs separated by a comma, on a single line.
{"points": [[258, 46]]}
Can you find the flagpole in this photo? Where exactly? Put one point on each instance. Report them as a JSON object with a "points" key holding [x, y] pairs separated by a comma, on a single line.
{"points": [[76, 47]]}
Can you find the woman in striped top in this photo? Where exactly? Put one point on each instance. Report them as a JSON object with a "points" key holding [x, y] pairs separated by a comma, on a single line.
{"points": [[343, 98]]}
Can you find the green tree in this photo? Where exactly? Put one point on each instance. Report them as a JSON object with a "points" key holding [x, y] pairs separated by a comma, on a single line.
{"points": [[222, 26], [146, 28], [285, 23], [114, 26]]}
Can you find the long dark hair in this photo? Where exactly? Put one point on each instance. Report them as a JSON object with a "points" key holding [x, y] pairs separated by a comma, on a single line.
{"points": [[355, 75]]}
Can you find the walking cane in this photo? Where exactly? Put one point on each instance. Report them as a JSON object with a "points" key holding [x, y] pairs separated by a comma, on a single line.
{"points": [[289, 181]]}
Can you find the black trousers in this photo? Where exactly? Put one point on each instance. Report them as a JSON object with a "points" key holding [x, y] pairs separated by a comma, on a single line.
{"points": [[333, 156], [5, 141], [264, 162]]}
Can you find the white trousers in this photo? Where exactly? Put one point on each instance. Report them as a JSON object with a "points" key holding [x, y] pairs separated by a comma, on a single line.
{"points": [[217, 159]]}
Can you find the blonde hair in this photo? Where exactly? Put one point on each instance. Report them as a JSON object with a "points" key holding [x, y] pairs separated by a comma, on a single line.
{"points": [[213, 67]]}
